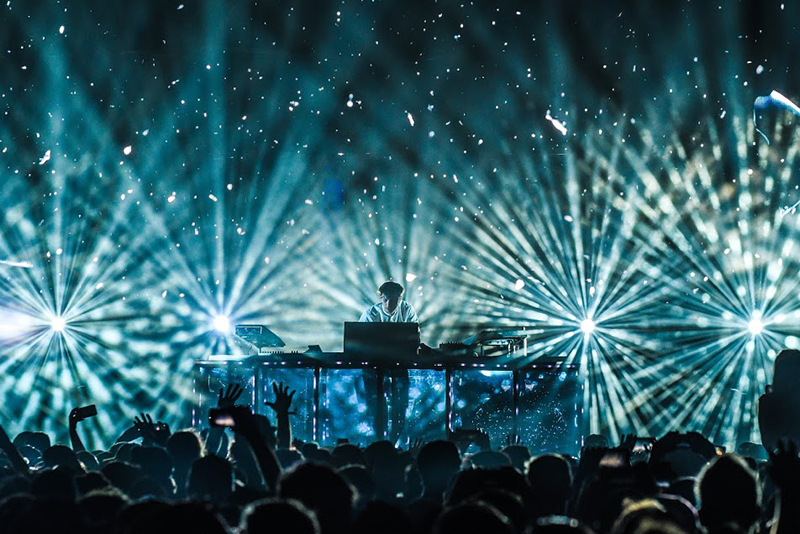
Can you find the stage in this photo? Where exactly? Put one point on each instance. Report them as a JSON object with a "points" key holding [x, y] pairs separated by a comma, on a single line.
{"points": [[541, 401]]}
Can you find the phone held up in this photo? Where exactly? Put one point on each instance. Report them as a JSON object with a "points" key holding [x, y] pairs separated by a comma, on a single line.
{"points": [[220, 417], [85, 412]]}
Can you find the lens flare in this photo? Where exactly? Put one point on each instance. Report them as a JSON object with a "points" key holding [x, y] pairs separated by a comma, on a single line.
{"points": [[222, 324], [58, 324], [755, 326], [587, 326], [526, 172]]}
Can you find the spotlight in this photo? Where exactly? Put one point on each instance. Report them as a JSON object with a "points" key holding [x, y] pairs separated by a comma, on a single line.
{"points": [[58, 324], [587, 326], [222, 324], [755, 326]]}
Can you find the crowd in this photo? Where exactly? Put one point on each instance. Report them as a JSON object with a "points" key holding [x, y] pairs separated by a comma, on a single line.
{"points": [[252, 477]]}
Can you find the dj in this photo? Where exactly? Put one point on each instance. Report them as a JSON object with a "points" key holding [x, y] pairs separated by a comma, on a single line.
{"points": [[391, 309]]}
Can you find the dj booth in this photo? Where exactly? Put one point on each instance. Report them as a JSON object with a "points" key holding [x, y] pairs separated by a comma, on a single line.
{"points": [[404, 394]]}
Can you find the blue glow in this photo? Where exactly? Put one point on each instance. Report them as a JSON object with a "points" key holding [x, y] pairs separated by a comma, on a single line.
{"points": [[512, 168]]}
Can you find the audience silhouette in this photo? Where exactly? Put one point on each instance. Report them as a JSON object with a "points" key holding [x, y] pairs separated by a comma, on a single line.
{"points": [[255, 478]]}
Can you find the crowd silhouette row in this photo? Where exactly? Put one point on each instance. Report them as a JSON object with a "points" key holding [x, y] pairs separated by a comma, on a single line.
{"points": [[242, 474]]}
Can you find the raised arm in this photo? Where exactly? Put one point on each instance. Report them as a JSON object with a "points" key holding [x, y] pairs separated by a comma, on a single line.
{"points": [[281, 406], [245, 426], [75, 417], [227, 398], [152, 432]]}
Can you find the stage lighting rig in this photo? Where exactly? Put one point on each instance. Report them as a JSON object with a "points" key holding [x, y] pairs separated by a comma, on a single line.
{"points": [[258, 335]]}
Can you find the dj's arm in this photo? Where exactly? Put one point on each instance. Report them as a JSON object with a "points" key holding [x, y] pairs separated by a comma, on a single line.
{"points": [[410, 313], [366, 316]]}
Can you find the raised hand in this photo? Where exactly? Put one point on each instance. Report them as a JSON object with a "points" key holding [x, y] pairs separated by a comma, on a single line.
{"points": [[283, 399], [245, 425], [74, 418], [131, 433], [628, 442], [143, 422], [229, 396], [162, 433], [81, 414], [281, 405], [415, 445], [151, 431], [463, 437]]}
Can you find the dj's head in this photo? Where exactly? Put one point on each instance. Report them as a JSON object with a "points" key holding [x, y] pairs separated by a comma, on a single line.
{"points": [[391, 293]]}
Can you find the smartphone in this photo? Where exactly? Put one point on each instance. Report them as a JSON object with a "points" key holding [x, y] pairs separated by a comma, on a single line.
{"points": [[85, 412], [467, 434], [614, 459], [643, 445], [220, 418]]}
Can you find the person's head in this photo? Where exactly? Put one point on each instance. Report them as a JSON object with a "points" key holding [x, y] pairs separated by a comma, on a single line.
{"points": [[121, 475], [30, 454], [438, 463], [550, 478], [61, 456], [156, 517], [728, 493], [100, 509], [473, 516], [635, 512], [349, 454], [93, 481], [185, 446], [361, 480], [54, 484], [379, 516], [519, 455], [279, 516], [390, 293], [211, 477], [39, 441], [155, 461], [322, 490], [22, 439]]}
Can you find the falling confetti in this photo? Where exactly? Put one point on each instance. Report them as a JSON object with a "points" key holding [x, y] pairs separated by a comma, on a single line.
{"points": [[556, 123]]}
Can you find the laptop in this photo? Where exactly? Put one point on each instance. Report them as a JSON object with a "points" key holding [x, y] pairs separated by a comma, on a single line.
{"points": [[389, 342]]}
